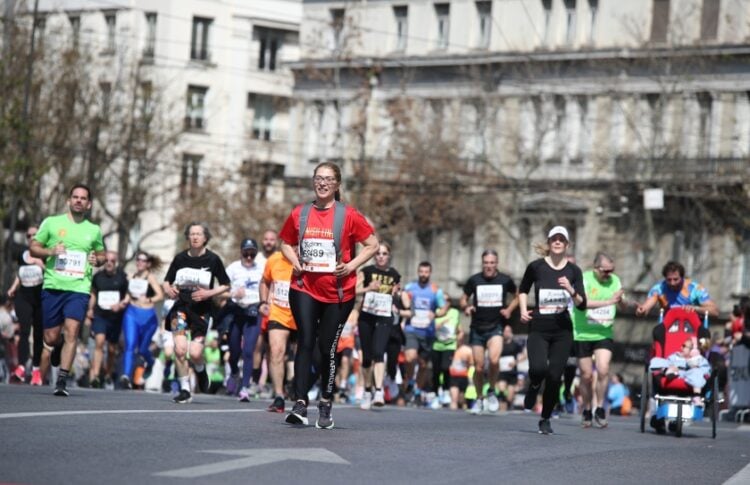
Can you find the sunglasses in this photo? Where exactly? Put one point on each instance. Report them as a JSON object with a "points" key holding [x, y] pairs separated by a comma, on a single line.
{"points": [[249, 253], [30, 234], [558, 238], [607, 271]]}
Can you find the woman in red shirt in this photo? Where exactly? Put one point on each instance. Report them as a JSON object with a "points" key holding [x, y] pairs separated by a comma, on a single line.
{"points": [[322, 290]]}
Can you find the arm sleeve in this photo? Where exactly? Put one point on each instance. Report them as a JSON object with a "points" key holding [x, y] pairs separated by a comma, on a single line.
{"points": [[289, 231], [171, 272], [527, 280], [578, 286], [469, 287], [221, 273], [361, 229]]}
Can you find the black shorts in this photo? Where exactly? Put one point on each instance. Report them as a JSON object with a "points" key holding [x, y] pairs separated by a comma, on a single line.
{"points": [[586, 349], [346, 352], [460, 382], [181, 319], [274, 325], [510, 377], [422, 345]]}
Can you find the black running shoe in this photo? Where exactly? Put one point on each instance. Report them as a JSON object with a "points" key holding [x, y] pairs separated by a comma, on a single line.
{"points": [[586, 418], [60, 388], [277, 406], [545, 427], [325, 420], [529, 401], [54, 358], [202, 377], [298, 415], [125, 383], [600, 417], [183, 397]]}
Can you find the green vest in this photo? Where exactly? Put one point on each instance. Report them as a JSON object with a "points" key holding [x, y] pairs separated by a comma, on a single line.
{"points": [[597, 323]]}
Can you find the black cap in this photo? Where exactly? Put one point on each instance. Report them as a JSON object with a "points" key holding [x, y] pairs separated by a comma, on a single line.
{"points": [[249, 244]]}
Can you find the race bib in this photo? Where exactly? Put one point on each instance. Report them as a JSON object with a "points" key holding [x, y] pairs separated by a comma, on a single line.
{"points": [[446, 333], [379, 304], [601, 316], [137, 287], [552, 301], [490, 295], [347, 331], [281, 294], [507, 363], [421, 319], [252, 296], [106, 299], [318, 255], [191, 277], [30, 275], [71, 263]]}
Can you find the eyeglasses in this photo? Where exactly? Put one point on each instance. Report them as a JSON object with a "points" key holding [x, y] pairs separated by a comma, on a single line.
{"points": [[607, 271], [328, 180], [30, 234], [558, 238]]}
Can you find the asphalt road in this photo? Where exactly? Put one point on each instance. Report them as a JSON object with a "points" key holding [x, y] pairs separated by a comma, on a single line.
{"points": [[95, 437]]}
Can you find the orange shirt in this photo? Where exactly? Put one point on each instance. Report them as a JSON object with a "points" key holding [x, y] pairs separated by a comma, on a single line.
{"points": [[278, 274]]}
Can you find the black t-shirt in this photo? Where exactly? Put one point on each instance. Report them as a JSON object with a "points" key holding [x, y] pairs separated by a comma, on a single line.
{"points": [[108, 289], [31, 277], [511, 348], [388, 279], [552, 301], [190, 273], [489, 299]]}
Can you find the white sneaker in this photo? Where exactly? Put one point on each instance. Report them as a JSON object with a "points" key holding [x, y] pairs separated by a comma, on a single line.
{"points": [[476, 408], [379, 399], [366, 402], [492, 404]]}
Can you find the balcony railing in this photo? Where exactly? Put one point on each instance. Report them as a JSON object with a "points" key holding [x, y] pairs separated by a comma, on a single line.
{"points": [[707, 170]]}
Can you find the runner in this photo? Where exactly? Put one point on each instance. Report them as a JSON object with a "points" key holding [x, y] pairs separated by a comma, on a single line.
{"points": [[378, 283], [489, 314], [269, 246], [190, 282], [322, 292], [513, 353], [593, 332], [109, 297], [556, 282], [242, 309], [71, 245], [448, 333], [427, 302], [345, 356], [463, 360], [676, 290], [282, 330], [140, 321], [26, 292]]}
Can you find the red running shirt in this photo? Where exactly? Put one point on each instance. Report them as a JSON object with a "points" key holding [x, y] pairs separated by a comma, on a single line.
{"points": [[324, 286]]}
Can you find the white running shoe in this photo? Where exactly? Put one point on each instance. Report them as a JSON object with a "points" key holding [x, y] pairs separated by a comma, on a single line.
{"points": [[476, 408], [379, 399], [366, 402], [492, 404]]}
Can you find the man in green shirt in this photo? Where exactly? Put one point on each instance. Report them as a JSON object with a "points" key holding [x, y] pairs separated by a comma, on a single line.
{"points": [[593, 334], [71, 247]]}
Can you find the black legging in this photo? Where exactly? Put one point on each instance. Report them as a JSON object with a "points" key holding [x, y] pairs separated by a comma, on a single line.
{"points": [[322, 322], [393, 349], [548, 353], [29, 313], [373, 338]]}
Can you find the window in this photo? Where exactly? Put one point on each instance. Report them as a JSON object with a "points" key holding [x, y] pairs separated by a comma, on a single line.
{"points": [[270, 43], [705, 108], [660, 21], [547, 6], [402, 26], [710, 19], [337, 27], [75, 27], [264, 111], [570, 22], [147, 99], [195, 119], [190, 174], [111, 20], [199, 43], [593, 9], [443, 12], [150, 48], [484, 9]]}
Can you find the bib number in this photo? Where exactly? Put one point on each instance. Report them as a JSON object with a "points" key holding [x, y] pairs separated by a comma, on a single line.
{"points": [[191, 278], [137, 287], [421, 319], [446, 333], [281, 294], [604, 316], [318, 255], [552, 301], [71, 263], [30, 275], [379, 304], [507, 363], [490, 296], [107, 299]]}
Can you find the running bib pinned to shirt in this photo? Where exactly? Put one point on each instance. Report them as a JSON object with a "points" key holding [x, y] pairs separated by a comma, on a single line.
{"points": [[552, 301], [281, 294], [601, 316], [137, 287], [421, 319], [490, 295], [318, 255], [71, 263], [107, 299], [30, 275], [446, 333], [506, 363], [191, 277], [380, 304]]}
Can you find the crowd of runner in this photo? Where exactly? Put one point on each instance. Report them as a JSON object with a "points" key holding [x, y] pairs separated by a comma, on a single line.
{"points": [[303, 316]]}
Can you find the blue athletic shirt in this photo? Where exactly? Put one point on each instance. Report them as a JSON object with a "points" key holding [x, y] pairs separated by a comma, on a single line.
{"points": [[691, 293], [423, 299]]}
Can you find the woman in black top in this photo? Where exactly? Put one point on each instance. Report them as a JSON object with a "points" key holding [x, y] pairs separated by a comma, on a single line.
{"points": [[558, 284]]}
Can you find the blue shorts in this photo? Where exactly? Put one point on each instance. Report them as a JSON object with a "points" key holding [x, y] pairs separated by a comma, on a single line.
{"points": [[111, 328], [58, 305], [479, 338]]}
